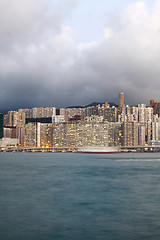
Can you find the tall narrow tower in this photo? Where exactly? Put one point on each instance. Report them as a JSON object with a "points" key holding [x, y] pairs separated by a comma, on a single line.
{"points": [[121, 99]]}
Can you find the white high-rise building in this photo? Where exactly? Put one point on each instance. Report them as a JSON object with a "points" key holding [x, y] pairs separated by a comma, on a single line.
{"points": [[141, 134], [145, 114]]}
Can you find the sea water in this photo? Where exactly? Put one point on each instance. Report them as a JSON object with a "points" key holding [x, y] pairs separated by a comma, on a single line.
{"points": [[71, 196]]}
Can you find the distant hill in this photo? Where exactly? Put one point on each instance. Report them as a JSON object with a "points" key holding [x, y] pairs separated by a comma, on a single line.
{"points": [[75, 107], [93, 104], [113, 104], [97, 103]]}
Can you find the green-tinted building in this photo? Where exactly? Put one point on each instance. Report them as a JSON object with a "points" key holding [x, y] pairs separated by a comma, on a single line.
{"points": [[1, 124]]}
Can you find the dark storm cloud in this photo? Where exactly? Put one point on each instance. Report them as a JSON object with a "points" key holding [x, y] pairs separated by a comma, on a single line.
{"points": [[41, 66]]}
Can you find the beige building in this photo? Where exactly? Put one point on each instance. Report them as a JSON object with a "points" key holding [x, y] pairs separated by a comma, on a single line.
{"points": [[38, 134], [130, 134], [115, 134], [80, 133]]}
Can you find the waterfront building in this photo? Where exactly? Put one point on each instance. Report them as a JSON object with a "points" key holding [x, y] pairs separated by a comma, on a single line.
{"points": [[45, 135], [6, 142], [31, 134], [10, 132], [80, 133], [156, 131], [148, 132], [7, 132], [21, 136], [141, 134], [59, 134], [115, 134], [38, 134], [130, 134]]}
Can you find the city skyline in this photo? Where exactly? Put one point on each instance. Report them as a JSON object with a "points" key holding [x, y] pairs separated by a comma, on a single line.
{"points": [[56, 53], [123, 126]]}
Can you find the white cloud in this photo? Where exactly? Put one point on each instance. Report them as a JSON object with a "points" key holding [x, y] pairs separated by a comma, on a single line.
{"points": [[107, 33]]}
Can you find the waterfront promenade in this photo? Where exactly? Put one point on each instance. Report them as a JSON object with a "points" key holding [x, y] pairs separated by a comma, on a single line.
{"points": [[147, 148]]}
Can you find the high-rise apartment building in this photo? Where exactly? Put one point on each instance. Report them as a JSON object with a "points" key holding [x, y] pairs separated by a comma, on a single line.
{"points": [[141, 134], [110, 114], [156, 108], [38, 134], [80, 133], [21, 136], [148, 132], [31, 135], [130, 133], [115, 134], [45, 139], [145, 114]]}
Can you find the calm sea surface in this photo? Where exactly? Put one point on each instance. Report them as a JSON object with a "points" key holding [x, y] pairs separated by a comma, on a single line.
{"points": [[71, 196]]}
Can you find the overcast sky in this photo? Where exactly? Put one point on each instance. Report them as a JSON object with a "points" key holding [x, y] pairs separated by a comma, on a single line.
{"points": [[73, 52]]}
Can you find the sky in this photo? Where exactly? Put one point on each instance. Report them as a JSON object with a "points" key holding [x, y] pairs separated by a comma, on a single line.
{"points": [[74, 52]]}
